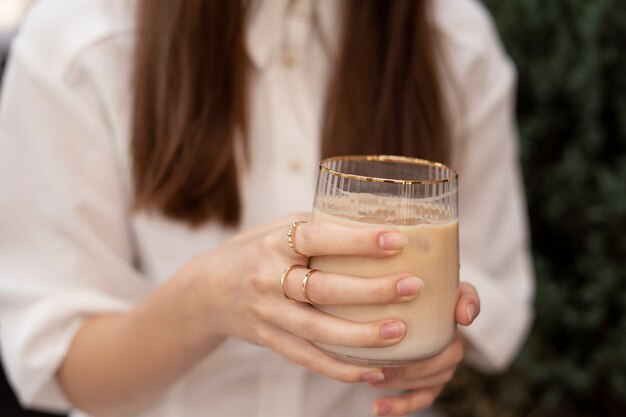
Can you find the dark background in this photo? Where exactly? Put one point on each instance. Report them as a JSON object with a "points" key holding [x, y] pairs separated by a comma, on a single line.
{"points": [[571, 58]]}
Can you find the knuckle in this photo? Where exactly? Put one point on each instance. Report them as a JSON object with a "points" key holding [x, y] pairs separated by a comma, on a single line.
{"points": [[267, 243], [259, 282]]}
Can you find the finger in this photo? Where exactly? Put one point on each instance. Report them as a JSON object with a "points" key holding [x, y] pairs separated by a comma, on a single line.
{"points": [[307, 355], [318, 239], [325, 288], [308, 323], [450, 357], [405, 404], [421, 383], [468, 304]]}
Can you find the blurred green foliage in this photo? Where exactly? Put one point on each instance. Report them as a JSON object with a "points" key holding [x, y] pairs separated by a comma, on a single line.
{"points": [[571, 58]]}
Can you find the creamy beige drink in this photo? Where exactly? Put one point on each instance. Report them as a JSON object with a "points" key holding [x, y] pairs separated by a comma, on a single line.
{"points": [[419, 199], [432, 255]]}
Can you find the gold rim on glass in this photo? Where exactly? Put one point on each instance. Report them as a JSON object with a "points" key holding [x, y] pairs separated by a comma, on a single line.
{"points": [[387, 158]]}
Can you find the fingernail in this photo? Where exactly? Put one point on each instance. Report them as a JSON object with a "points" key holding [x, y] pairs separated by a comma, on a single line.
{"points": [[391, 373], [392, 330], [375, 376], [471, 312], [409, 286], [382, 409], [392, 241]]}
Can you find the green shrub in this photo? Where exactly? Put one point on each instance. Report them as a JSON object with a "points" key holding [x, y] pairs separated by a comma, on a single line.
{"points": [[571, 58]]}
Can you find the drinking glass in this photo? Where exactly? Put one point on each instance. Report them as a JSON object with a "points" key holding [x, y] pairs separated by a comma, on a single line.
{"points": [[418, 198]]}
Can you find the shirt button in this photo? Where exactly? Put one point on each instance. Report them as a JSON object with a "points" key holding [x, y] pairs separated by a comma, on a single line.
{"points": [[295, 166], [289, 60]]}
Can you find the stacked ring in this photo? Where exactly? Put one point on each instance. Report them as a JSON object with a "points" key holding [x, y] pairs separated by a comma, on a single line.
{"points": [[291, 237], [305, 289], [283, 278]]}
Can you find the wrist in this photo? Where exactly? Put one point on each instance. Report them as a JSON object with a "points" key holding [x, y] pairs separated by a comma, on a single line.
{"points": [[202, 327]]}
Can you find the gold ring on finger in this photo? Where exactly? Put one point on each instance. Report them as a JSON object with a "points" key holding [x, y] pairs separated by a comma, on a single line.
{"points": [[291, 237], [283, 278], [305, 288]]}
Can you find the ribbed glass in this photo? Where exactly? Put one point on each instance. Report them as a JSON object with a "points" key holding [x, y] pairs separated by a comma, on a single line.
{"points": [[417, 198]]}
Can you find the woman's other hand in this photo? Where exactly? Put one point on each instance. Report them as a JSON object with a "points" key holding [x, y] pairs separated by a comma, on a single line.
{"points": [[426, 379]]}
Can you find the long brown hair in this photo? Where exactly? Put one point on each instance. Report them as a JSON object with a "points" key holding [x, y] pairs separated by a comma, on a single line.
{"points": [[383, 97]]}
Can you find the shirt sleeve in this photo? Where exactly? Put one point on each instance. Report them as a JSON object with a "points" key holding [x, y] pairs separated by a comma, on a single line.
{"points": [[493, 221], [66, 250]]}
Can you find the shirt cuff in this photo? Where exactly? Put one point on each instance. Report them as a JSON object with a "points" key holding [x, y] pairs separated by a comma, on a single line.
{"points": [[35, 343]]}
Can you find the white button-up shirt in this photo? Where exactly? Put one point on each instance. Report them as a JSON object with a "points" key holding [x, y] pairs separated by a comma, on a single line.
{"points": [[70, 246]]}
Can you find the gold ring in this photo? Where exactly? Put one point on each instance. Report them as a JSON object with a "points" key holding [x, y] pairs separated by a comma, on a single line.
{"points": [[305, 289], [291, 237], [284, 276]]}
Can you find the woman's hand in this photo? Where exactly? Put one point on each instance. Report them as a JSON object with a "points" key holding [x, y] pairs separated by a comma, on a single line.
{"points": [[426, 379], [235, 290], [238, 293]]}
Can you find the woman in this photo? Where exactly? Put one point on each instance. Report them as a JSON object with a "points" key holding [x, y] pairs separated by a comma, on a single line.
{"points": [[152, 150]]}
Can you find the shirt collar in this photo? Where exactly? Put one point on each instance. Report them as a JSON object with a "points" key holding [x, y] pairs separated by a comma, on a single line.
{"points": [[266, 21]]}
